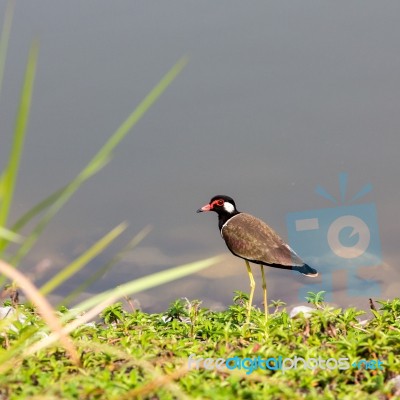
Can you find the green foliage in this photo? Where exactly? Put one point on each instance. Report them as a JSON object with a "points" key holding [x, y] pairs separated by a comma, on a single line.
{"points": [[176, 310], [113, 313], [277, 304], [316, 298], [130, 355]]}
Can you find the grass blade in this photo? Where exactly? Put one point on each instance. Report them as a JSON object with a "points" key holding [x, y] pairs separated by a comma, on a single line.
{"points": [[102, 270], [147, 282], [4, 38], [44, 308], [37, 209], [82, 260], [10, 174], [58, 203], [10, 235]]}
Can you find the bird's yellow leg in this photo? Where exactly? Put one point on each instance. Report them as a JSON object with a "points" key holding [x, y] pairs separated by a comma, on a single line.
{"points": [[264, 286], [252, 287]]}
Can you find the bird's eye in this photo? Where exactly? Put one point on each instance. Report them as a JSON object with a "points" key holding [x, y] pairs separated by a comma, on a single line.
{"points": [[220, 202]]}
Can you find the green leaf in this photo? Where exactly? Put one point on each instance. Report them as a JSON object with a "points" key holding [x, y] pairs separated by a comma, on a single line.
{"points": [[4, 38], [10, 235], [9, 176]]}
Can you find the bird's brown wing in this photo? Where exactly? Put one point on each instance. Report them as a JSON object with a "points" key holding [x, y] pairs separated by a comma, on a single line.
{"points": [[250, 238]]}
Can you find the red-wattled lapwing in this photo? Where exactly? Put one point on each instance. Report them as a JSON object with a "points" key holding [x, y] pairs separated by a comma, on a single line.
{"points": [[253, 240]]}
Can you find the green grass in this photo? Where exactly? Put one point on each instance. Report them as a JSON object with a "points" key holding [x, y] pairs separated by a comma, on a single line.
{"points": [[139, 355]]}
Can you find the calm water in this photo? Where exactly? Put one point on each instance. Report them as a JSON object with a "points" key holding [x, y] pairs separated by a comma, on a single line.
{"points": [[278, 98]]}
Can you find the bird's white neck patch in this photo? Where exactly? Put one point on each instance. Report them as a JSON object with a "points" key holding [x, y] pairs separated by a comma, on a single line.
{"points": [[229, 207]]}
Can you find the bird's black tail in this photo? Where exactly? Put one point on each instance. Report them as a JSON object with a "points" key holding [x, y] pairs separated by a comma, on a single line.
{"points": [[307, 270]]}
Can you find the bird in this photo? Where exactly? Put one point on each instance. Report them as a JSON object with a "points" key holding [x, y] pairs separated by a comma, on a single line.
{"points": [[254, 241]]}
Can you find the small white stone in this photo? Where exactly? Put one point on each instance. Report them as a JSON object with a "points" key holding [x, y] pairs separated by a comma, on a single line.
{"points": [[9, 313], [301, 309], [396, 385]]}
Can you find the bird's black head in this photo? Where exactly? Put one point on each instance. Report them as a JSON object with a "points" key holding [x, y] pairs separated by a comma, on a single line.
{"points": [[224, 206]]}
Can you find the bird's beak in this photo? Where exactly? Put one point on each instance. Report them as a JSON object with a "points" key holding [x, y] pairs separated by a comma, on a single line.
{"points": [[207, 207]]}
